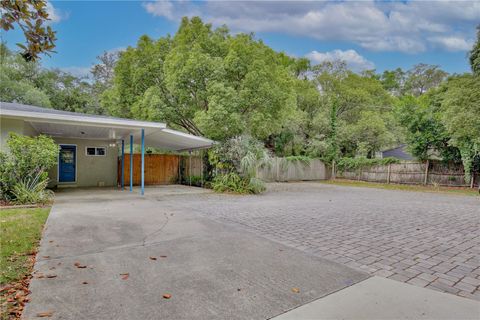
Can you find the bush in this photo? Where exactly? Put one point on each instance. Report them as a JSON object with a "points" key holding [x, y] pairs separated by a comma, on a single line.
{"points": [[192, 180], [232, 182], [236, 162], [350, 164], [32, 190], [26, 162]]}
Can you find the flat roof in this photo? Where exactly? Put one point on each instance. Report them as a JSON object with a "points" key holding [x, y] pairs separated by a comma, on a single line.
{"points": [[66, 124]]}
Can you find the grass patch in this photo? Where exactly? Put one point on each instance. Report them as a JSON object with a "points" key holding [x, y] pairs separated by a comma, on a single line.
{"points": [[404, 187], [21, 230], [20, 233]]}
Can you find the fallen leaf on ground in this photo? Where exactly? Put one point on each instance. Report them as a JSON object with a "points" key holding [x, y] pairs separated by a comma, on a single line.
{"points": [[167, 296], [45, 314], [84, 282], [153, 258], [163, 256], [295, 290], [50, 241], [78, 265], [46, 257], [51, 276], [125, 276]]}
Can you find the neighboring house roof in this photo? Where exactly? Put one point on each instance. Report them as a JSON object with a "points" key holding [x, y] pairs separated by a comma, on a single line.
{"points": [[58, 123], [399, 152]]}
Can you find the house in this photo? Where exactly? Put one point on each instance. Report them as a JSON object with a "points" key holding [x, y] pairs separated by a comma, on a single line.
{"points": [[91, 144], [399, 152]]}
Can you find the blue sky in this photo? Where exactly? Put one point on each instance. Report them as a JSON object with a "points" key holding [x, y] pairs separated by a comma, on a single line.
{"points": [[367, 34]]}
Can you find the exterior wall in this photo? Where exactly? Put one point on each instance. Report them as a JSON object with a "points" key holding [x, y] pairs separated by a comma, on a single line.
{"points": [[7, 126], [91, 171]]}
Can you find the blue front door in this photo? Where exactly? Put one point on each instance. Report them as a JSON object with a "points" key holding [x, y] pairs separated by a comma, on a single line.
{"points": [[67, 163]]}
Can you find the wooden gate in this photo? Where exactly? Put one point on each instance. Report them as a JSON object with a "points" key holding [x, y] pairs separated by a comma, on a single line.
{"points": [[159, 169]]}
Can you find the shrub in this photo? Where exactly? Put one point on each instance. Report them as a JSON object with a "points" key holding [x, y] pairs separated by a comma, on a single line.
{"points": [[236, 162], [27, 160], [232, 182], [192, 180], [32, 190]]}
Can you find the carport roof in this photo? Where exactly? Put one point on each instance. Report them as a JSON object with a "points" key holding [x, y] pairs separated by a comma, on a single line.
{"points": [[65, 124]]}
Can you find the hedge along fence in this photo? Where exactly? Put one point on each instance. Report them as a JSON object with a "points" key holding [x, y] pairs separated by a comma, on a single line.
{"points": [[412, 172], [293, 169]]}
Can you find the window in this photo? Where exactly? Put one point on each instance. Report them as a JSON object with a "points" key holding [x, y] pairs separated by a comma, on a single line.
{"points": [[96, 151]]}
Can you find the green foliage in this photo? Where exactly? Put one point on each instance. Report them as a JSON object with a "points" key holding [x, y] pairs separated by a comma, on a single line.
{"points": [[425, 133], [460, 101], [232, 182], [236, 162], [193, 180], [206, 82], [475, 55], [25, 165], [32, 190], [351, 164], [31, 16]]}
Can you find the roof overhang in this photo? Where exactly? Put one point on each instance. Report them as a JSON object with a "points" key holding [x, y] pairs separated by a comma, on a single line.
{"points": [[79, 126]]}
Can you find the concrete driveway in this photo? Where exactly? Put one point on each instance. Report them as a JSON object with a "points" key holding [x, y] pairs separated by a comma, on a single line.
{"points": [[108, 254]]}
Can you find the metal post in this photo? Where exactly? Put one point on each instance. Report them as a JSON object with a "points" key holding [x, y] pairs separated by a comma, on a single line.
{"points": [[143, 162], [123, 165], [131, 162], [190, 168]]}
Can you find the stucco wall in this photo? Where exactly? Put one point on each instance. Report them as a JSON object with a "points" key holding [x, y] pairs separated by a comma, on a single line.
{"points": [[90, 170], [7, 126]]}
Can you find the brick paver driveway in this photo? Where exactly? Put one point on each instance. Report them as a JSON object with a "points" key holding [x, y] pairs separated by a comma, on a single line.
{"points": [[425, 239]]}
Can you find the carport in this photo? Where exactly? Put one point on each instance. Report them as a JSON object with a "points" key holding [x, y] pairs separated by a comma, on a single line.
{"points": [[97, 137]]}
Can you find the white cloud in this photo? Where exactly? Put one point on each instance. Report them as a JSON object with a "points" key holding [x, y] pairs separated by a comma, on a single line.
{"points": [[452, 43], [54, 14], [354, 61], [160, 8], [412, 26]]}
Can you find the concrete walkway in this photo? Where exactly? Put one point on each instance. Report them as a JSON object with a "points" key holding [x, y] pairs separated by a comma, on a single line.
{"points": [[385, 299], [111, 257]]}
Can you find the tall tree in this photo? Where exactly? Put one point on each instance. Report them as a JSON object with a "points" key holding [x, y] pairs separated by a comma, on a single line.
{"points": [[205, 81], [423, 77], [460, 101]]}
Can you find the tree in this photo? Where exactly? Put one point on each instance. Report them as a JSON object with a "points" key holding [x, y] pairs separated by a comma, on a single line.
{"points": [[425, 133], [423, 77], [394, 81], [27, 82], [460, 101], [475, 55], [206, 82], [31, 17]]}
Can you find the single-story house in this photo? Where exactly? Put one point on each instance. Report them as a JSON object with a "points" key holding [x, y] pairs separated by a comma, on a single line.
{"points": [[90, 144]]}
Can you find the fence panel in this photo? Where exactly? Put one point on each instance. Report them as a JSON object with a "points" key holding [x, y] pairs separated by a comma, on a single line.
{"points": [[413, 172], [159, 169], [281, 169]]}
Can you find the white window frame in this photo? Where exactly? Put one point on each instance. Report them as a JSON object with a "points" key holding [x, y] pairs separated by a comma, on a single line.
{"points": [[96, 155]]}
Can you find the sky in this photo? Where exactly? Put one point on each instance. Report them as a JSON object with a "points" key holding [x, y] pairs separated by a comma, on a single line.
{"points": [[381, 35]]}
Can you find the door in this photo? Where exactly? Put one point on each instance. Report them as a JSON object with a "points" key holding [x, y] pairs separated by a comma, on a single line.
{"points": [[67, 163]]}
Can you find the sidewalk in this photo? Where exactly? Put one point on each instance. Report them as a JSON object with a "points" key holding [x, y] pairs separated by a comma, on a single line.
{"points": [[380, 298]]}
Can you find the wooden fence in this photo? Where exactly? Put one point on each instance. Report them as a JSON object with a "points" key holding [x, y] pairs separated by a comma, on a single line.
{"points": [[283, 170], [160, 168], [413, 172]]}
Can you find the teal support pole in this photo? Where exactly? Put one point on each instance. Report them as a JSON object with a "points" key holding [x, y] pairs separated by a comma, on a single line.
{"points": [[123, 164], [131, 162], [143, 162]]}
